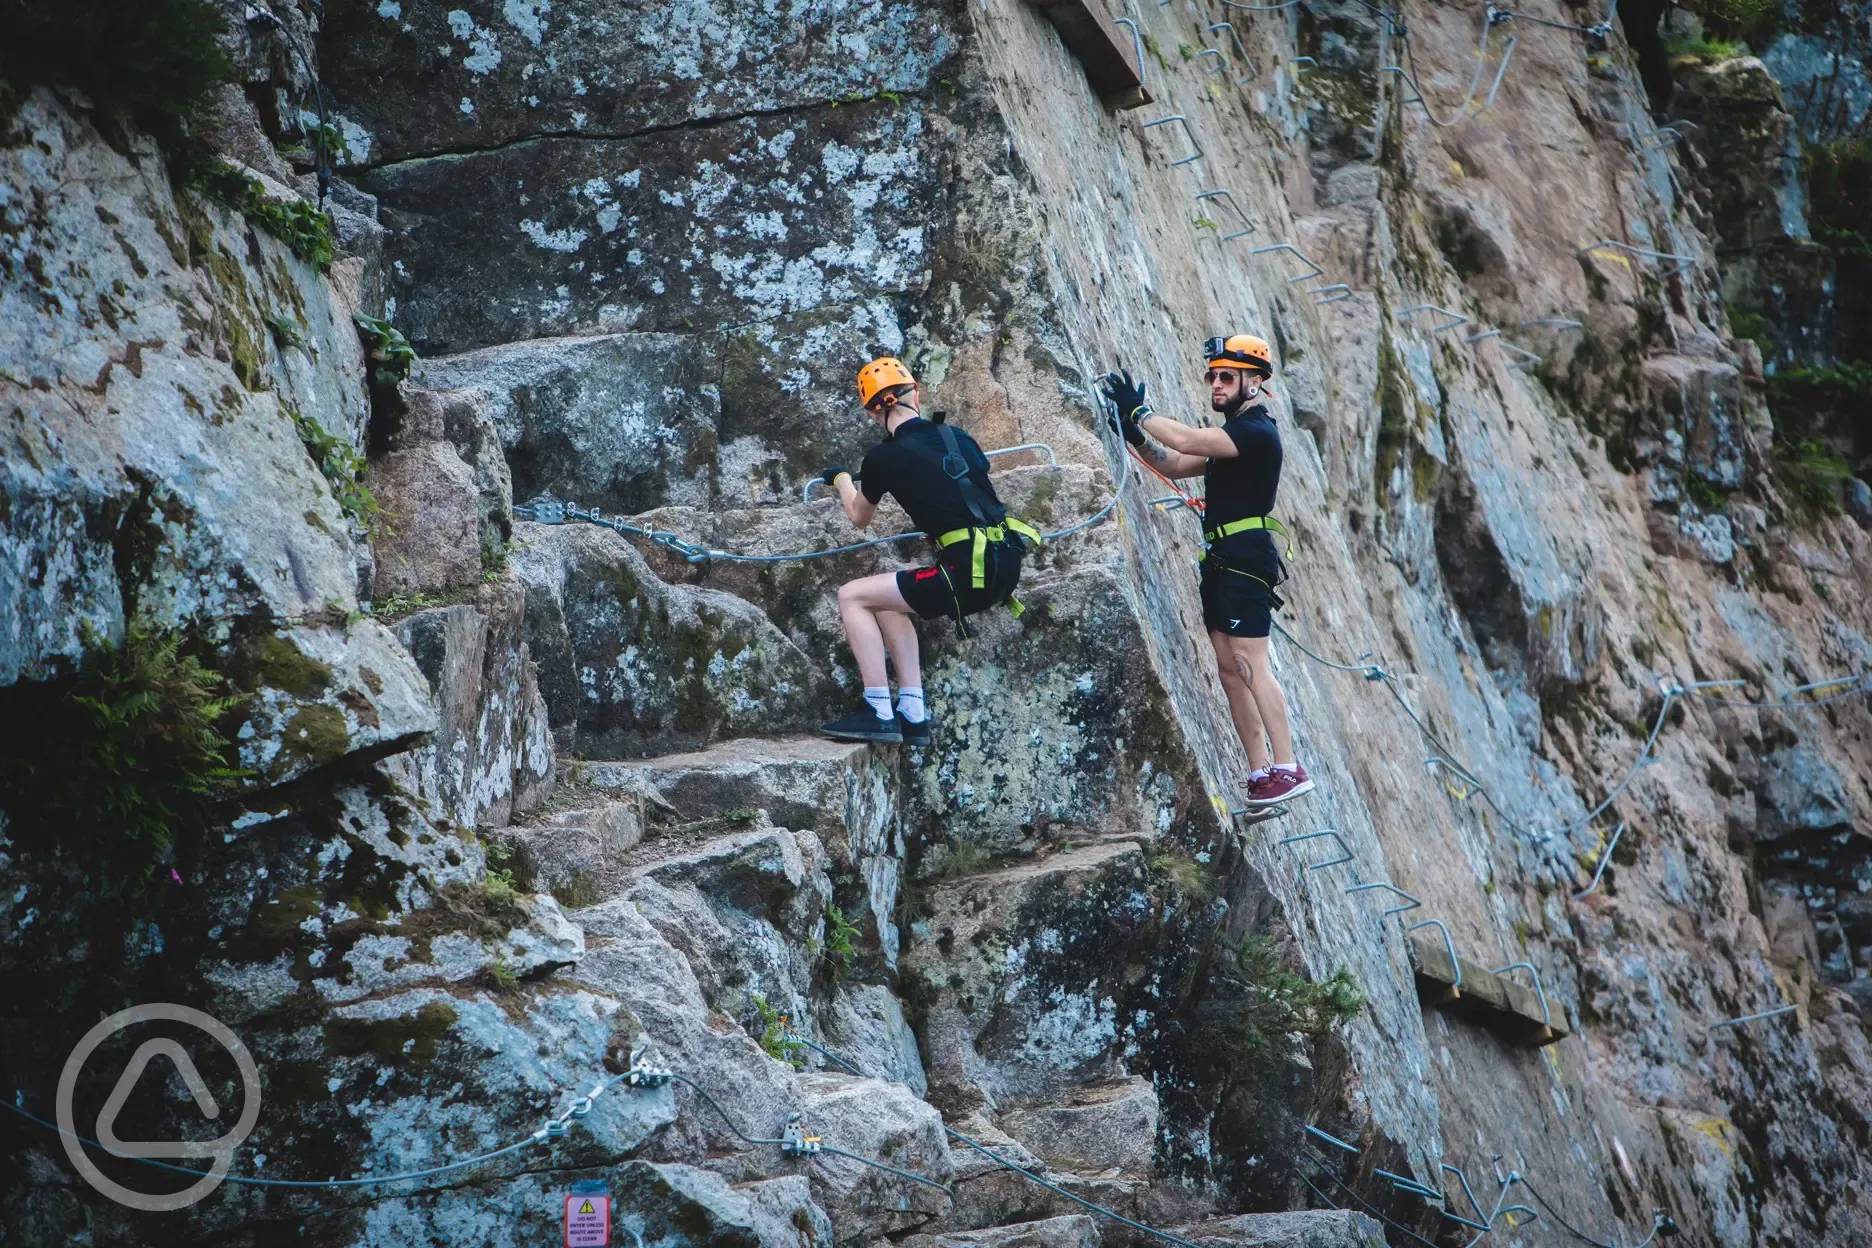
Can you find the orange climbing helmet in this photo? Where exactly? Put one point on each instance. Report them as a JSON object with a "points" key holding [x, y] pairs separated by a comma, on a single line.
{"points": [[881, 374], [1240, 351]]}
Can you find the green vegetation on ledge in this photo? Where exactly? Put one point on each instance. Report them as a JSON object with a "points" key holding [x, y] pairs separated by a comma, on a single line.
{"points": [[158, 61], [391, 355], [301, 226], [839, 937], [1280, 1002], [112, 764], [343, 467], [1839, 193], [1704, 47]]}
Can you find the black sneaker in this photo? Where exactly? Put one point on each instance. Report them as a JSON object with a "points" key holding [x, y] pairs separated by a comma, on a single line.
{"points": [[915, 734], [864, 725]]}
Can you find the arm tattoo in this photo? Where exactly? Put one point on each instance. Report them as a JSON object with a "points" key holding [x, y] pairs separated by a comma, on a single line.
{"points": [[1159, 452]]}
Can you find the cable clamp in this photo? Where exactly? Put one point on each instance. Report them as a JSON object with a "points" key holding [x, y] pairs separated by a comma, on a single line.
{"points": [[794, 1141], [1497, 16], [542, 511], [644, 1073]]}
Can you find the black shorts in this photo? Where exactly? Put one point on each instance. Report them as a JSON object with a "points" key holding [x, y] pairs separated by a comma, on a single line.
{"points": [[944, 590], [1236, 602]]}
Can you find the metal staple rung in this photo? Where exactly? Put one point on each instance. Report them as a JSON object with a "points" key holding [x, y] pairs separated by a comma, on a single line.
{"points": [[1750, 1018], [1304, 259], [1400, 72], [1345, 853], [1449, 947], [1470, 785], [1604, 858], [1333, 1140], [1052, 459], [1241, 51], [1195, 147], [1527, 357], [1137, 46], [1464, 1180], [1405, 1183], [1344, 293], [1225, 193], [1546, 1015], [1386, 884], [1455, 318], [1680, 263]]}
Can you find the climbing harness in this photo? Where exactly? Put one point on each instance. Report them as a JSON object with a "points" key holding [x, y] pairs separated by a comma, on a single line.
{"points": [[1249, 524], [991, 521]]}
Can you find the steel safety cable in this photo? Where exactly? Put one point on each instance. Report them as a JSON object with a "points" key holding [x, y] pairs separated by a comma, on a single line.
{"points": [[249, 1181], [1475, 80], [1377, 672], [696, 552]]}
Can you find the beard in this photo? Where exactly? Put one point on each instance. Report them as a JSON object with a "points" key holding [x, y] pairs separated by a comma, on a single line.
{"points": [[1228, 407]]}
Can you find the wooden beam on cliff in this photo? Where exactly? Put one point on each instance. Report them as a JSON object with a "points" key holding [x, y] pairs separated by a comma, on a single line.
{"points": [[1109, 55], [1506, 1007]]}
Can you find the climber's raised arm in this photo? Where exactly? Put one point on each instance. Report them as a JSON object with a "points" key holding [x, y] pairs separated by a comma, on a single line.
{"points": [[1188, 444], [858, 509], [1130, 411]]}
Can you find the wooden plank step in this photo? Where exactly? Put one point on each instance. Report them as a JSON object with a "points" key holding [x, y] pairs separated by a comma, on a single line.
{"points": [[1505, 1006], [1107, 53]]}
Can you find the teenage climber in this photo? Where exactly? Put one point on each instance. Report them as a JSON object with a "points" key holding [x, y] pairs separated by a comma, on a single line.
{"points": [[938, 475], [1240, 464]]}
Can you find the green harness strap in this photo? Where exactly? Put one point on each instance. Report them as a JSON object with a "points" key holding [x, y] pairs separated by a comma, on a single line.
{"points": [[981, 536], [1247, 524]]}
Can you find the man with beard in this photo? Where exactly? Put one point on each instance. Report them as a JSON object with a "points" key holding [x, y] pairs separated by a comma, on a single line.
{"points": [[1240, 465]]}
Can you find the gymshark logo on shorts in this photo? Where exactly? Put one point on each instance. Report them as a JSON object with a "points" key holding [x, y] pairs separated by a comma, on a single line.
{"points": [[1234, 623]]}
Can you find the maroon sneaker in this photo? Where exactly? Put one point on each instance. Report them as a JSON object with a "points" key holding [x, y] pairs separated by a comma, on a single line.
{"points": [[1278, 786]]}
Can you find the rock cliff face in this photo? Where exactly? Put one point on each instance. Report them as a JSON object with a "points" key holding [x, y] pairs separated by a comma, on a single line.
{"points": [[492, 808]]}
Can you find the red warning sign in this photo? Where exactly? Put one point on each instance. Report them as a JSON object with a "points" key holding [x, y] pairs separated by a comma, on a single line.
{"points": [[588, 1221]]}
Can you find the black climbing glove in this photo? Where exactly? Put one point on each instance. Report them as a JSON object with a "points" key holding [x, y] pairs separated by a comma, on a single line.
{"points": [[1127, 398], [830, 476]]}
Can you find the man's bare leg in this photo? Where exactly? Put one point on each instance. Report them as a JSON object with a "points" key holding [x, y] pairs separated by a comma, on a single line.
{"points": [[863, 604], [1242, 708], [1270, 700]]}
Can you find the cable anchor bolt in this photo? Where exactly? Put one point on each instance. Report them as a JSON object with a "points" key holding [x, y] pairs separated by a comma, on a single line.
{"points": [[794, 1141], [644, 1073]]}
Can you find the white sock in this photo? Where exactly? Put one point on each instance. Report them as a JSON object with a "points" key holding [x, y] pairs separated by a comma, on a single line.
{"points": [[1258, 775], [910, 703], [1286, 766], [879, 698]]}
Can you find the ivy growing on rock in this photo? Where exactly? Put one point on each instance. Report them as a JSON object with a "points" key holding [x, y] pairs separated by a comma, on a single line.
{"points": [[305, 230], [343, 467], [391, 356]]}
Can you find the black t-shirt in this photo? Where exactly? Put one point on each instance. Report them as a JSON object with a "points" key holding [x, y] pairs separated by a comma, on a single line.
{"points": [[1245, 485], [908, 466]]}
